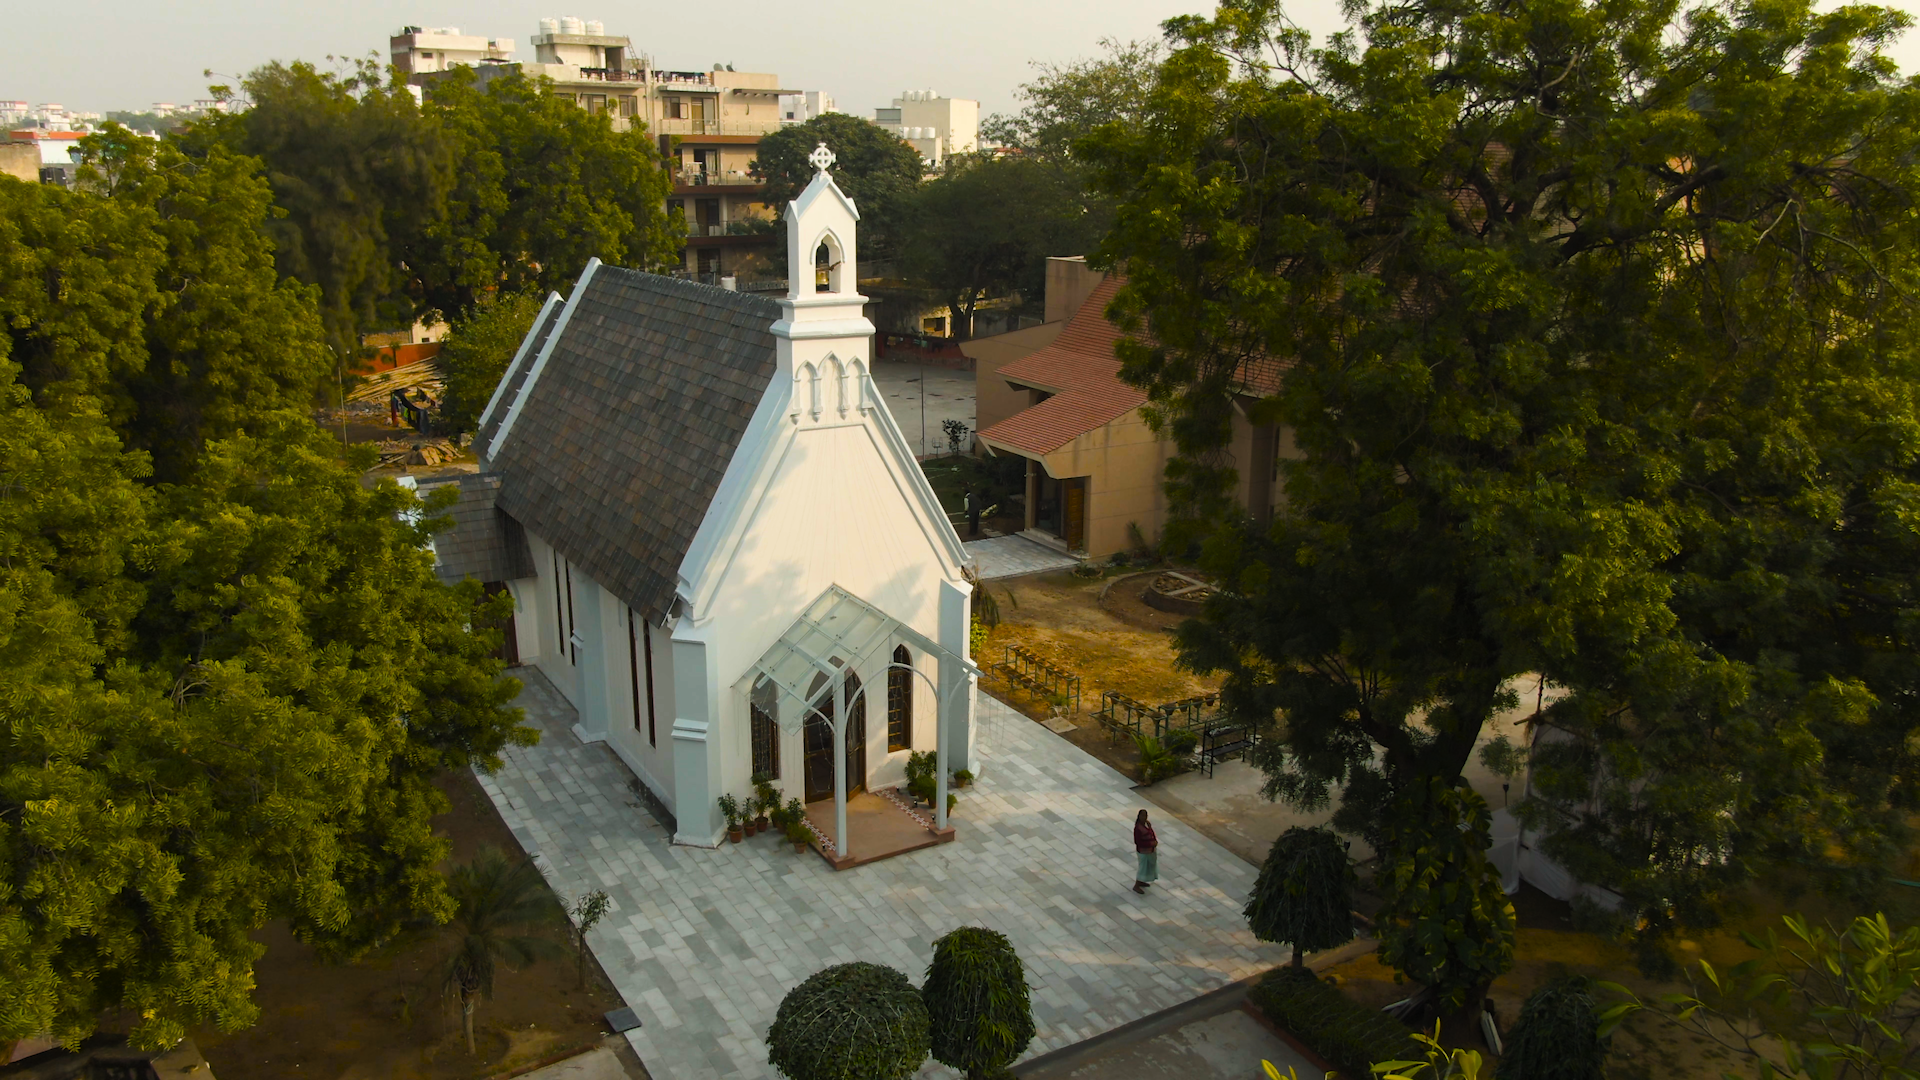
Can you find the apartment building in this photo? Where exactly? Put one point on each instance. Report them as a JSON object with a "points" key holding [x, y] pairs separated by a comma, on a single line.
{"points": [[935, 125], [708, 123], [418, 50]]}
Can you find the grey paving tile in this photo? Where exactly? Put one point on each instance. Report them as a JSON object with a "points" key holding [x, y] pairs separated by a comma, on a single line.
{"points": [[706, 943]]}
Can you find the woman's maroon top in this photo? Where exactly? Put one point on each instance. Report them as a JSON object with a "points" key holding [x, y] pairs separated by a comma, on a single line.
{"points": [[1143, 838]]}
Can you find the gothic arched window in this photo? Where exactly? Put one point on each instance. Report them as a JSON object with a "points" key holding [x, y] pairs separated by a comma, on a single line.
{"points": [[900, 702]]}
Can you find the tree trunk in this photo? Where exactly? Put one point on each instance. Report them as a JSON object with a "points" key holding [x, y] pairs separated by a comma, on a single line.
{"points": [[1461, 1027], [581, 954], [466, 1018], [1298, 960]]}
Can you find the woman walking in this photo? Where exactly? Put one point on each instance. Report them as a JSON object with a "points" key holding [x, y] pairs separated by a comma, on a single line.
{"points": [[1146, 846]]}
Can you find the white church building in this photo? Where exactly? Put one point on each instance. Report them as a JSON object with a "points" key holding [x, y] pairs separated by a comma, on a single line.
{"points": [[721, 549]]}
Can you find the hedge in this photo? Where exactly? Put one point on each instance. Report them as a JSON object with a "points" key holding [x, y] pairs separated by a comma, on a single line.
{"points": [[1350, 1036], [850, 1022]]}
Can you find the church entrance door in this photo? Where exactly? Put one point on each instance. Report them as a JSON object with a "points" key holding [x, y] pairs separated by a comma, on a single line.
{"points": [[818, 749]]}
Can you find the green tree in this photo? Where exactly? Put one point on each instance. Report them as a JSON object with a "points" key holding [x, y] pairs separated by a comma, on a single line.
{"points": [[982, 230], [1557, 1036], [497, 901], [543, 186], [361, 176], [854, 1021], [1821, 1004], [878, 170], [976, 995], [223, 337], [1599, 360], [1066, 102], [226, 689], [1304, 894], [476, 351], [1445, 922]]}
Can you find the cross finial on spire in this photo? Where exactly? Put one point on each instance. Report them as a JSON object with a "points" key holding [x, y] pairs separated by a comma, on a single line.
{"points": [[821, 158]]}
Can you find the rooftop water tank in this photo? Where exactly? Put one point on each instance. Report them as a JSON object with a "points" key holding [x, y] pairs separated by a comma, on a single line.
{"points": [[549, 26], [596, 28], [571, 25]]}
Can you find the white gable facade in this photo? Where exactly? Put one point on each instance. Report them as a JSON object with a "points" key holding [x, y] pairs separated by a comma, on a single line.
{"points": [[709, 611]]}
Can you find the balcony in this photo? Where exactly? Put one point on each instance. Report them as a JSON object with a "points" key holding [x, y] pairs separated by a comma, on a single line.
{"points": [[725, 128], [687, 181]]}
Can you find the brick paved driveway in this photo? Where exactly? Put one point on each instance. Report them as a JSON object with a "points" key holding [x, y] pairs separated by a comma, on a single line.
{"points": [[703, 944]]}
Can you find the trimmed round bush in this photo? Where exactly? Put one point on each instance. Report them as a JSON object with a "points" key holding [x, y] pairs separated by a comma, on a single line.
{"points": [[1304, 894], [850, 1022], [1557, 1036], [976, 994]]}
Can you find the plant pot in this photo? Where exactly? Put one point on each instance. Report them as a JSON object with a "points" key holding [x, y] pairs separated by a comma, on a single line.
{"points": [[760, 823], [735, 834], [799, 847]]}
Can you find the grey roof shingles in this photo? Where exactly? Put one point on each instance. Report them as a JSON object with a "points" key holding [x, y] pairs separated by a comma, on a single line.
{"points": [[516, 377], [482, 543], [623, 439]]}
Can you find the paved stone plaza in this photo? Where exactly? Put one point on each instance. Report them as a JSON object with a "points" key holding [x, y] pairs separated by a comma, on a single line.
{"points": [[921, 397], [1015, 556], [703, 944]]}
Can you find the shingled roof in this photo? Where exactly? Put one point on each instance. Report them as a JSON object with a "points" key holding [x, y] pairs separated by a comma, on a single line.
{"points": [[619, 441], [1081, 372], [482, 543]]}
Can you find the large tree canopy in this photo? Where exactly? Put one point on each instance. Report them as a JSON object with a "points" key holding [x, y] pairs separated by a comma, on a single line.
{"points": [[398, 209], [983, 230], [1066, 102], [225, 688], [877, 169], [1597, 326]]}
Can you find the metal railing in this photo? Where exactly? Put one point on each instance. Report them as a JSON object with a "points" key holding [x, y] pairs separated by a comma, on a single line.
{"points": [[1127, 716], [685, 126], [1039, 677], [703, 178]]}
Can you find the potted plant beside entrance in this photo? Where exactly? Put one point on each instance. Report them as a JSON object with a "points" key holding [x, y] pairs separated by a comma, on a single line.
{"points": [[765, 800], [730, 806], [793, 822]]}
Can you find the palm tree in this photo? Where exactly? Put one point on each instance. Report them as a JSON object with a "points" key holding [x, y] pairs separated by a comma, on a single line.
{"points": [[497, 899]]}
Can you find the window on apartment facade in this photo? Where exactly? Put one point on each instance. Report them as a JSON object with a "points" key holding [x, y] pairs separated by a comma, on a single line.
{"points": [[766, 735], [594, 103], [675, 107], [629, 105], [900, 702]]}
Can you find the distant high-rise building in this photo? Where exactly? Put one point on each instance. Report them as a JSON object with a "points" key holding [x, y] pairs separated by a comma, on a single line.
{"points": [[798, 108], [935, 125], [417, 49]]}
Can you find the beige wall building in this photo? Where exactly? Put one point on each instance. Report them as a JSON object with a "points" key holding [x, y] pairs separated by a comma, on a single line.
{"points": [[20, 160], [709, 125], [1052, 394]]}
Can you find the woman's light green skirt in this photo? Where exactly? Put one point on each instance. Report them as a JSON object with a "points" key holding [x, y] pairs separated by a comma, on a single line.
{"points": [[1149, 866]]}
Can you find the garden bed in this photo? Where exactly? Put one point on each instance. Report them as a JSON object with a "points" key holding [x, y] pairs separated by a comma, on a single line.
{"points": [[385, 1015]]}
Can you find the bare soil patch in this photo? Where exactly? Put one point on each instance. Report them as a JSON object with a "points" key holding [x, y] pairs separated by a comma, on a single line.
{"points": [[385, 1015], [1061, 618]]}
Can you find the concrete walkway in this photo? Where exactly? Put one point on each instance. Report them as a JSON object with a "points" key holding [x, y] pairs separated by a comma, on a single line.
{"points": [[703, 944], [1014, 556]]}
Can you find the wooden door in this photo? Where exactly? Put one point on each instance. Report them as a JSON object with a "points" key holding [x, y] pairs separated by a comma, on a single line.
{"points": [[1075, 497]]}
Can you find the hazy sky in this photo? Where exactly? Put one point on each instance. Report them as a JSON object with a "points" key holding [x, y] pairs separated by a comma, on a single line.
{"points": [[125, 54]]}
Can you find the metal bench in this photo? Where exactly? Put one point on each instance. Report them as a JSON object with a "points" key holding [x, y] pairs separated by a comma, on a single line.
{"points": [[1221, 741]]}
